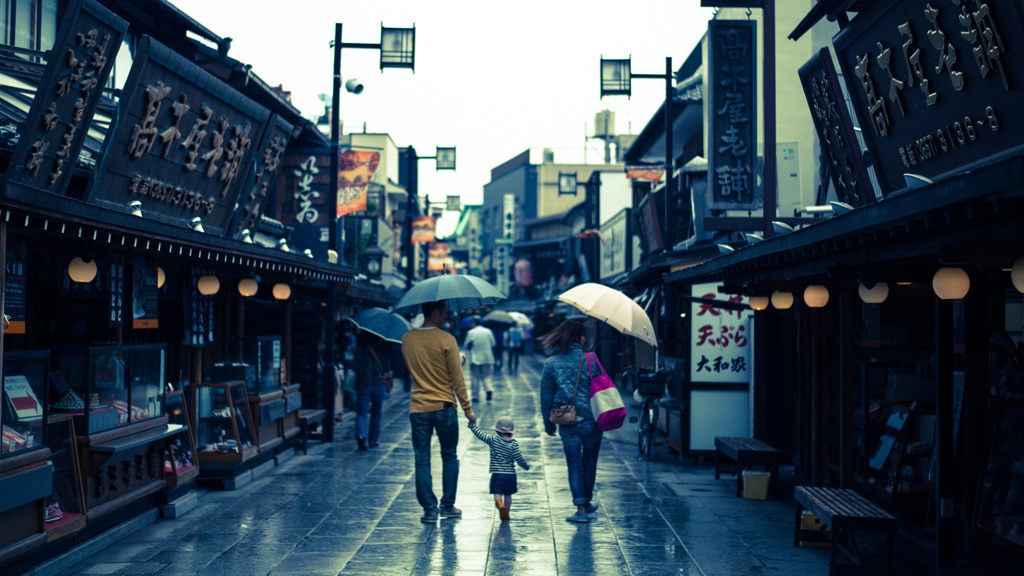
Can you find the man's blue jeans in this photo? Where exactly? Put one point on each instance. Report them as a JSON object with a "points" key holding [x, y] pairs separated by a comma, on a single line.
{"points": [[581, 444], [366, 396], [445, 422]]}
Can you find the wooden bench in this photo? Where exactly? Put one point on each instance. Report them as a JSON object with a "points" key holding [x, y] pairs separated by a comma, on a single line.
{"points": [[844, 511], [746, 452], [309, 421]]}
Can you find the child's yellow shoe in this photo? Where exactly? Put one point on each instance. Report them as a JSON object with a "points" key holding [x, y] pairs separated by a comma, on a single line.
{"points": [[502, 510]]}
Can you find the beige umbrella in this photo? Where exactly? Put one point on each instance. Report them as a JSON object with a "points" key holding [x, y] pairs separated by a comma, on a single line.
{"points": [[614, 308]]}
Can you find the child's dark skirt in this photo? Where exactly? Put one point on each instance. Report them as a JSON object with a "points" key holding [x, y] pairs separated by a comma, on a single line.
{"points": [[503, 483]]}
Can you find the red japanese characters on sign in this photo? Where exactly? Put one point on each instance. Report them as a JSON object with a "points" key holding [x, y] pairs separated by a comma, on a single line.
{"points": [[720, 342]]}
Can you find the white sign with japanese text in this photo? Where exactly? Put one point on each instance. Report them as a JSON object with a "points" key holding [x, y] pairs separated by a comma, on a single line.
{"points": [[720, 339]]}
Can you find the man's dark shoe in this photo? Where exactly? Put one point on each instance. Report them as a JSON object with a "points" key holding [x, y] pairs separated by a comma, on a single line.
{"points": [[489, 393], [374, 444], [452, 512], [590, 508], [362, 442], [429, 518]]}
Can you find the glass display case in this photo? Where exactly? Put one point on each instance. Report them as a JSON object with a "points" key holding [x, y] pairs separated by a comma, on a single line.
{"points": [[63, 509], [105, 387], [24, 402], [263, 353], [180, 464], [224, 429]]}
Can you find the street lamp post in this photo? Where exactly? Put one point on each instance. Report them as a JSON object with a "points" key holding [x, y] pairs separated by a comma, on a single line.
{"points": [[616, 79], [397, 50], [444, 160]]}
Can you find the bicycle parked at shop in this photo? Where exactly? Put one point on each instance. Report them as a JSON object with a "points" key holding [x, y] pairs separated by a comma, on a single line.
{"points": [[651, 386]]}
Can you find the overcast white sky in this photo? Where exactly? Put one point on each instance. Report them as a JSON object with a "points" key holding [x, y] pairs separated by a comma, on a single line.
{"points": [[491, 79]]}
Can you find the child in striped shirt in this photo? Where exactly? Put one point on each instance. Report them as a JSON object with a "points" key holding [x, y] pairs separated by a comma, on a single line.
{"points": [[504, 455]]}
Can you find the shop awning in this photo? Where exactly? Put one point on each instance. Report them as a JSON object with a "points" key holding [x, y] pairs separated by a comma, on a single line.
{"points": [[31, 209], [981, 208]]}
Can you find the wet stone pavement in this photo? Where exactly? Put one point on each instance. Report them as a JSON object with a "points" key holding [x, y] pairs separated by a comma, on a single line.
{"points": [[342, 511]]}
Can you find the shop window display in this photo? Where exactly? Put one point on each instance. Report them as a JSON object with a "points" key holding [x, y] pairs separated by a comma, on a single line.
{"points": [[180, 463], [105, 387], [63, 509], [224, 428], [259, 364], [24, 402]]}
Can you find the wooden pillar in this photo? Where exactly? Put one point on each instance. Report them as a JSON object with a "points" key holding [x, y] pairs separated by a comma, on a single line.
{"points": [[846, 385], [764, 388], [238, 330], [944, 491], [816, 394], [3, 292], [984, 315], [286, 339]]}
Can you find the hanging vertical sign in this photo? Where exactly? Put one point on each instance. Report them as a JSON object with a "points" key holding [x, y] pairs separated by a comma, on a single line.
{"points": [[501, 264], [720, 339], [115, 279], [72, 84], [839, 145], [256, 186], [198, 312], [144, 294], [355, 170], [15, 293], [423, 228], [732, 114]]}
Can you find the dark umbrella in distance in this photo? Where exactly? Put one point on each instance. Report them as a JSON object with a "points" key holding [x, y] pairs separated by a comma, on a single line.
{"points": [[382, 324], [461, 291], [467, 322]]}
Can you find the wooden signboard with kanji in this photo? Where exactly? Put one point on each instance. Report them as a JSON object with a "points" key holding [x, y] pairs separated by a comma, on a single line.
{"points": [[183, 143], [257, 185]]}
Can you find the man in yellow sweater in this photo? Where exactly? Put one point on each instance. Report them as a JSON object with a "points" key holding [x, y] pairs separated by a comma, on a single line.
{"points": [[432, 356]]}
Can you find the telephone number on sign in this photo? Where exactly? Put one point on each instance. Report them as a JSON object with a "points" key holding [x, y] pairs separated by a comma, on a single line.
{"points": [[954, 135]]}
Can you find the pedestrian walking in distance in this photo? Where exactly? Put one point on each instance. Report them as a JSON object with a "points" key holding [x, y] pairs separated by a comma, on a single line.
{"points": [[435, 366], [505, 455], [373, 380], [480, 344], [515, 347], [581, 441]]}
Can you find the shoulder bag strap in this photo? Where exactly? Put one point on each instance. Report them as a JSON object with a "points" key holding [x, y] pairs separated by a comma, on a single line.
{"points": [[375, 357], [578, 374]]}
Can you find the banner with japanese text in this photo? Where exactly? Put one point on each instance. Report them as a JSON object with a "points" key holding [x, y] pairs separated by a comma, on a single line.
{"points": [[423, 229], [645, 173], [720, 339], [732, 115], [437, 256], [355, 169]]}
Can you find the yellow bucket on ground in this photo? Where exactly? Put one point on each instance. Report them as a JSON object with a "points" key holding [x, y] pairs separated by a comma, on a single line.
{"points": [[755, 484], [811, 522]]}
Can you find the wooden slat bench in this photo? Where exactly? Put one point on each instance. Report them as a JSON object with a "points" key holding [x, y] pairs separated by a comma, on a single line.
{"points": [[746, 452], [310, 420], [844, 511]]}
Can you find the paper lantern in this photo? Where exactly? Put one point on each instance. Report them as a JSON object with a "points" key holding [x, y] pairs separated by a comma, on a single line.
{"points": [[282, 291], [759, 302], [816, 296], [247, 287], [208, 285], [1017, 274], [951, 283], [876, 295], [160, 277], [81, 271], [782, 300]]}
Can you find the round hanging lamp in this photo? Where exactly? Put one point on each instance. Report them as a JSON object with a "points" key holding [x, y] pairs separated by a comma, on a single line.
{"points": [[816, 296], [160, 277], [1017, 274], [247, 287], [876, 295], [282, 291], [208, 285], [951, 283], [782, 300], [81, 271], [759, 302]]}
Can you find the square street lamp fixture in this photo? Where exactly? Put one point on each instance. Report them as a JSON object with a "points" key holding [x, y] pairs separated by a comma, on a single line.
{"points": [[566, 183], [616, 77], [445, 158], [398, 48]]}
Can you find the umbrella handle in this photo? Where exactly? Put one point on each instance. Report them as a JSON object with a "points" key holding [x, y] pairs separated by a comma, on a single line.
{"points": [[597, 337]]}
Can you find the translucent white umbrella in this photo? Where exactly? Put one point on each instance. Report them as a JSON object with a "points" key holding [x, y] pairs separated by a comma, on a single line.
{"points": [[614, 308], [521, 319]]}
